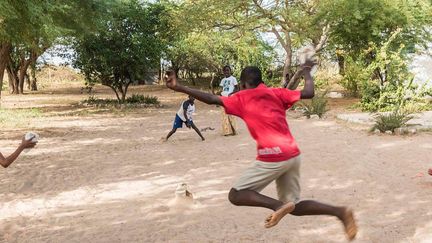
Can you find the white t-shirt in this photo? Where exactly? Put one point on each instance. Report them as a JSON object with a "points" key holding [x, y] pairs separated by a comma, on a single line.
{"points": [[190, 109], [228, 85]]}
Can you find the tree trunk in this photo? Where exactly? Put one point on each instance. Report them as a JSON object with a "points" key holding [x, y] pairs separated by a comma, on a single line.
{"points": [[341, 64], [295, 80], [24, 64], [17, 72], [116, 93], [286, 69], [286, 44], [13, 79], [4, 57], [123, 97], [212, 84], [131, 80], [27, 80], [33, 80]]}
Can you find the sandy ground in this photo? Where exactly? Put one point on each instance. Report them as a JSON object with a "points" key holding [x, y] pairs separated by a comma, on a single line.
{"points": [[108, 178]]}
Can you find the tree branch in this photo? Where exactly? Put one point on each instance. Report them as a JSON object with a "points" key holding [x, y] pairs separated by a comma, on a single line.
{"points": [[280, 39], [323, 39]]}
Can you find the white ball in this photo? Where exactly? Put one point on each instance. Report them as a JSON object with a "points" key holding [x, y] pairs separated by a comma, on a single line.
{"points": [[31, 135], [305, 53]]}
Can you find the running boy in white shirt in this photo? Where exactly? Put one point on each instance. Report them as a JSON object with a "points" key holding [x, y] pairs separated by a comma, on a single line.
{"points": [[184, 115]]}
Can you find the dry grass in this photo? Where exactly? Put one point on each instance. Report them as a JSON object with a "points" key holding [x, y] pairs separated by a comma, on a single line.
{"points": [[18, 117]]}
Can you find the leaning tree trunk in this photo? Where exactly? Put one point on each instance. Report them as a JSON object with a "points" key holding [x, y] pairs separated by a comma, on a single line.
{"points": [[17, 73], [22, 73], [286, 44]]}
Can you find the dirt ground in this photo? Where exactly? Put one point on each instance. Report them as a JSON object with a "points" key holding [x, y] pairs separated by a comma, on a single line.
{"points": [[106, 177]]}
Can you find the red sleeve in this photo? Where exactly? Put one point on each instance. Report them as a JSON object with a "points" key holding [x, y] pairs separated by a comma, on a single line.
{"points": [[232, 105], [288, 97]]}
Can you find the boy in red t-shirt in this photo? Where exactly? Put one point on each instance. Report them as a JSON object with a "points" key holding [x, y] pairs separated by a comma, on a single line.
{"points": [[278, 155]]}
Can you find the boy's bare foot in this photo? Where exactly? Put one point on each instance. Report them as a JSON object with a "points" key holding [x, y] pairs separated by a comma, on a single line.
{"points": [[163, 140], [275, 217], [349, 224]]}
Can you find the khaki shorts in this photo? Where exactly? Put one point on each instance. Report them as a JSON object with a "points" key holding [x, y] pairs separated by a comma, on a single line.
{"points": [[286, 173]]}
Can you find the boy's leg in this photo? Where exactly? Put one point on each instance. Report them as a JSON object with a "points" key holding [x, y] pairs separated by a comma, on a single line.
{"points": [[197, 130], [310, 207], [245, 191], [171, 133], [178, 123], [288, 188], [232, 124], [253, 198]]}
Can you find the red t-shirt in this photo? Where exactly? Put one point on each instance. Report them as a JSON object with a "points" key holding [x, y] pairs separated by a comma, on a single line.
{"points": [[263, 110]]}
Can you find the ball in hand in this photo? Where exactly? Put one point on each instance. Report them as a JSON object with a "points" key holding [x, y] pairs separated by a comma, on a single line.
{"points": [[34, 137]]}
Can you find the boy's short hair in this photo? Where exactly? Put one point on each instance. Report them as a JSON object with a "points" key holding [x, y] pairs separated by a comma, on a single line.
{"points": [[227, 66], [251, 75]]}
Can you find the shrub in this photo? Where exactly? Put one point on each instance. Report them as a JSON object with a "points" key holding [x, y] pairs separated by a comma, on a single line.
{"points": [[317, 106], [134, 100], [391, 121], [141, 99]]}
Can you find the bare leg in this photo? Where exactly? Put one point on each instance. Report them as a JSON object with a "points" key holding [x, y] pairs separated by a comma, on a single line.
{"points": [[255, 199], [197, 131], [231, 123], [170, 133], [309, 207]]}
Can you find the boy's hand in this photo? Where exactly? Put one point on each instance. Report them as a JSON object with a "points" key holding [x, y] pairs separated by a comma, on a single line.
{"points": [[308, 65], [188, 124], [171, 80], [27, 143]]}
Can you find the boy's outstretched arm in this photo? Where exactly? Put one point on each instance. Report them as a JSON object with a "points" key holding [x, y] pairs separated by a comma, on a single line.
{"points": [[171, 82], [308, 91], [5, 162]]}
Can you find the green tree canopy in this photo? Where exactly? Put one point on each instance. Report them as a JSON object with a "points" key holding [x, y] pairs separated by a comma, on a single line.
{"points": [[127, 43], [29, 27]]}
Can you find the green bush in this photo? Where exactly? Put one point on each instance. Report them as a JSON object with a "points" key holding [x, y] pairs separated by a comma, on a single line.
{"points": [[317, 106], [391, 121], [356, 75], [141, 99], [134, 100]]}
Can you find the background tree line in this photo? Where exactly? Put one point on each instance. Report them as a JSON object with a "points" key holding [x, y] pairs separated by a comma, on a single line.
{"points": [[116, 42]]}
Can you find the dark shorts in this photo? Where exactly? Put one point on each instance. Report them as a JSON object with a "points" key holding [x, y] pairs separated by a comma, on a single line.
{"points": [[178, 122]]}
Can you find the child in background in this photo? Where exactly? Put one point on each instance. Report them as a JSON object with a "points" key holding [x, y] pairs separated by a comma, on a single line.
{"points": [[229, 86], [184, 115]]}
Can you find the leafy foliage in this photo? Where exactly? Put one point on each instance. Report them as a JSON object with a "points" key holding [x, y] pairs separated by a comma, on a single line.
{"points": [[208, 52], [316, 106], [356, 24], [391, 121], [381, 77], [126, 45]]}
